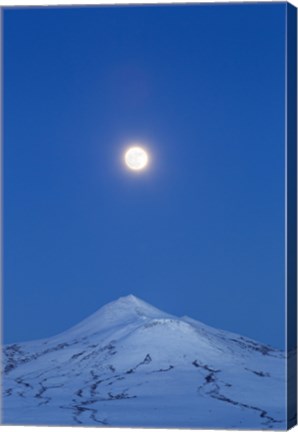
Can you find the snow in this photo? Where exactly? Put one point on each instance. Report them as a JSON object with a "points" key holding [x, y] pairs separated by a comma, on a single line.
{"points": [[130, 364]]}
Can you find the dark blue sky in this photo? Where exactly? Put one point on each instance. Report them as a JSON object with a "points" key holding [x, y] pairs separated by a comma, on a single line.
{"points": [[200, 233]]}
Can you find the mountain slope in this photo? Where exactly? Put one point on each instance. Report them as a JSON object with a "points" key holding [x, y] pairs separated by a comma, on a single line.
{"points": [[130, 364]]}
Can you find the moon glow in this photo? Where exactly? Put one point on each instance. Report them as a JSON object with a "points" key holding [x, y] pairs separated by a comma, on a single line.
{"points": [[136, 158]]}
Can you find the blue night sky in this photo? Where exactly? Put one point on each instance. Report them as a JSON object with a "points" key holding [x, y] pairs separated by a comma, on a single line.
{"points": [[198, 233]]}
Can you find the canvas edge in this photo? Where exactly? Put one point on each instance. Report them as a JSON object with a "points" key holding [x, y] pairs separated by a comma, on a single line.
{"points": [[291, 213], [1, 201]]}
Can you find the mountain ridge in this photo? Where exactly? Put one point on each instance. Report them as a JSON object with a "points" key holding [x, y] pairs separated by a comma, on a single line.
{"points": [[129, 356]]}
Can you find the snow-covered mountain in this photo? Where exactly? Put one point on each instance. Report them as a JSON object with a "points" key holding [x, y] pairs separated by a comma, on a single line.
{"points": [[130, 364]]}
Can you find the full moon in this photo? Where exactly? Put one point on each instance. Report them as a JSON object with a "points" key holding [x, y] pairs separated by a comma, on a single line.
{"points": [[136, 158]]}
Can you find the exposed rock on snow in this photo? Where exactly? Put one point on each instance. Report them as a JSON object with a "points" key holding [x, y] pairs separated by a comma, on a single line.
{"points": [[130, 364]]}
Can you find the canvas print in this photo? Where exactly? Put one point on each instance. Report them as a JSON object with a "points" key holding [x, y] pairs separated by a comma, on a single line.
{"points": [[149, 216]]}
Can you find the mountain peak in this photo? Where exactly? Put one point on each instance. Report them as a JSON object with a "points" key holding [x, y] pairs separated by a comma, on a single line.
{"points": [[119, 312], [130, 300], [130, 304]]}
